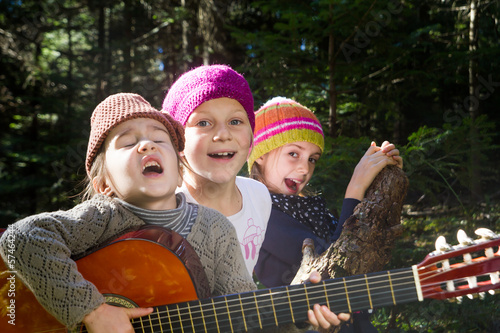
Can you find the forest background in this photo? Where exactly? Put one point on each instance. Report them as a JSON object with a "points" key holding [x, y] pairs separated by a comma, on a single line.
{"points": [[422, 74]]}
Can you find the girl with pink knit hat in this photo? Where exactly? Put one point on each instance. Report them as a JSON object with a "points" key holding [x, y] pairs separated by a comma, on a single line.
{"points": [[215, 105], [288, 141]]}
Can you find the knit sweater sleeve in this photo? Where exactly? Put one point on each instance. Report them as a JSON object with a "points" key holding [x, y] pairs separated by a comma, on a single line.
{"points": [[214, 239], [44, 244]]}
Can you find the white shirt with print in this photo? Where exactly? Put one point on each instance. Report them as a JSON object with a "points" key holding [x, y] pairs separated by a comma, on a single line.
{"points": [[251, 221]]}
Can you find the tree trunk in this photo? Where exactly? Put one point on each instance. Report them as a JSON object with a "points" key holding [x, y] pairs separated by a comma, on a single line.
{"points": [[127, 47], [332, 92], [368, 236], [473, 103], [185, 31], [100, 59]]}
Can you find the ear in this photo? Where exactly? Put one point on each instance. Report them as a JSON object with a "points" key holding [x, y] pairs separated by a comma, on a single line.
{"points": [[261, 159], [101, 187]]}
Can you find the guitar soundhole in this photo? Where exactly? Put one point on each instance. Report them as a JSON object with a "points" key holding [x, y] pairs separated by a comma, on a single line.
{"points": [[118, 300]]}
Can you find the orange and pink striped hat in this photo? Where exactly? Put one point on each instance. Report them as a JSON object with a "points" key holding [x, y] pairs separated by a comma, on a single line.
{"points": [[281, 121]]}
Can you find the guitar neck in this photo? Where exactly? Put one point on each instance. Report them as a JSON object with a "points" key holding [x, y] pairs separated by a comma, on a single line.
{"points": [[276, 306]]}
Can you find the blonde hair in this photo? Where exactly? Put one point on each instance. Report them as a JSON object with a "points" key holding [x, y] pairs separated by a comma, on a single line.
{"points": [[97, 169]]}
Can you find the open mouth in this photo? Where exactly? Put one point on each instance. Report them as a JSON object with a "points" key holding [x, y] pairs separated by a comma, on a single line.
{"points": [[224, 156], [292, 184], [151, 168]]}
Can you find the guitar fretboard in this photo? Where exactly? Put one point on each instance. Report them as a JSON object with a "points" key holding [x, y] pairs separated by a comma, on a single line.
{"points": [[252, 311]]}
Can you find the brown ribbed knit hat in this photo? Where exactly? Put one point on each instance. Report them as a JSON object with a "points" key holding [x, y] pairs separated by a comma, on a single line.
{"points": [[118, 108]]}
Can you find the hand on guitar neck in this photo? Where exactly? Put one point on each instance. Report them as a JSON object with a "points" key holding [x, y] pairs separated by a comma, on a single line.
{"points": [[320, 315]]}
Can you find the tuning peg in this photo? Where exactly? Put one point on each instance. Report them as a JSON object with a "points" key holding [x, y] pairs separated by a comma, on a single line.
{"points": [[441, 245], [463, 239], [486, 234], [482, 295]]}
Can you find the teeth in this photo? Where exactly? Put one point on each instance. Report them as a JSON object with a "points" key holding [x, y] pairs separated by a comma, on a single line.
{"points": [[149, 164], [224, 154]]}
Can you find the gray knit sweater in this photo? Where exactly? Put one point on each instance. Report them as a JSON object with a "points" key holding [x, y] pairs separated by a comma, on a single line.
{"points": [[45, 242]]}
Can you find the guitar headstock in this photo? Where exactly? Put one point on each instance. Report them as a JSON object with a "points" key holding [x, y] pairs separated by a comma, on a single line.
{"points": [[471, 267]]}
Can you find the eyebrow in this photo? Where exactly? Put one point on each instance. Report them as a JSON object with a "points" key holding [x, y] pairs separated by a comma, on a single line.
{"points": [[153, 127], [302, 148], [160, 128]]}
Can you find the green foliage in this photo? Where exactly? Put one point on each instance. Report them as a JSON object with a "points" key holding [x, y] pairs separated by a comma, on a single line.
{"points": [[437, 160]]}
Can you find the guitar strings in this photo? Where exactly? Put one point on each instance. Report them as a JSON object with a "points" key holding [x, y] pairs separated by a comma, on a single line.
{"points": [[313, 298]]}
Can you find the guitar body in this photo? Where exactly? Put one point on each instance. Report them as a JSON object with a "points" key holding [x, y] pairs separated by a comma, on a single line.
{"points": [[148, 267]]}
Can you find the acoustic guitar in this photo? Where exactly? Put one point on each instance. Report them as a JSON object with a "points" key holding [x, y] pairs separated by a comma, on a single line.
{"points": [[142, 269]]}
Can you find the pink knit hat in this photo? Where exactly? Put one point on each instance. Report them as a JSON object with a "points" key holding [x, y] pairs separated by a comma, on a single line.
{"points": [[119, 108], [203, 84]]}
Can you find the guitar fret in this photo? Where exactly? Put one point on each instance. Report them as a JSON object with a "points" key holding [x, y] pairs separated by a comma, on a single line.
{"points": [[190, 315], [273, 307], [404, 278], [229, 314], [257, 308], [368, 291], [392, 290], [169, 320], [347, 296], [215, 315], [242, 312], [150, 323], [326, 294], [202, 316], [307, 297], [159, 320], [142, 324], [180, 318], [290, 303], [299, 302]]}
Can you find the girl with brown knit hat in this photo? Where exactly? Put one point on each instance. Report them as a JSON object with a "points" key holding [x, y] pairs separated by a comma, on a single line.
{"points": [[133, 171]]}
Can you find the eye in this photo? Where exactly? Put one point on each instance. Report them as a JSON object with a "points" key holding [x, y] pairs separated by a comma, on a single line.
{"points": [[313, 160], [203, 123], [293, 154], [160, 137], [127, 143], [235, 122]]}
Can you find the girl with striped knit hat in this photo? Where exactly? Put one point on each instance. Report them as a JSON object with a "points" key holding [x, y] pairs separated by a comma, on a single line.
{"points": [[288, 141]]}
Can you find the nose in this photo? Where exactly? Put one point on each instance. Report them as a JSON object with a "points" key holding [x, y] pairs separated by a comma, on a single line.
{"points": [[146, 146], [222, 133], [303, 166]]}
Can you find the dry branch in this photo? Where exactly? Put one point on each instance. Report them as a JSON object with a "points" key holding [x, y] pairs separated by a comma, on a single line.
{"points": [[368, 236]]}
